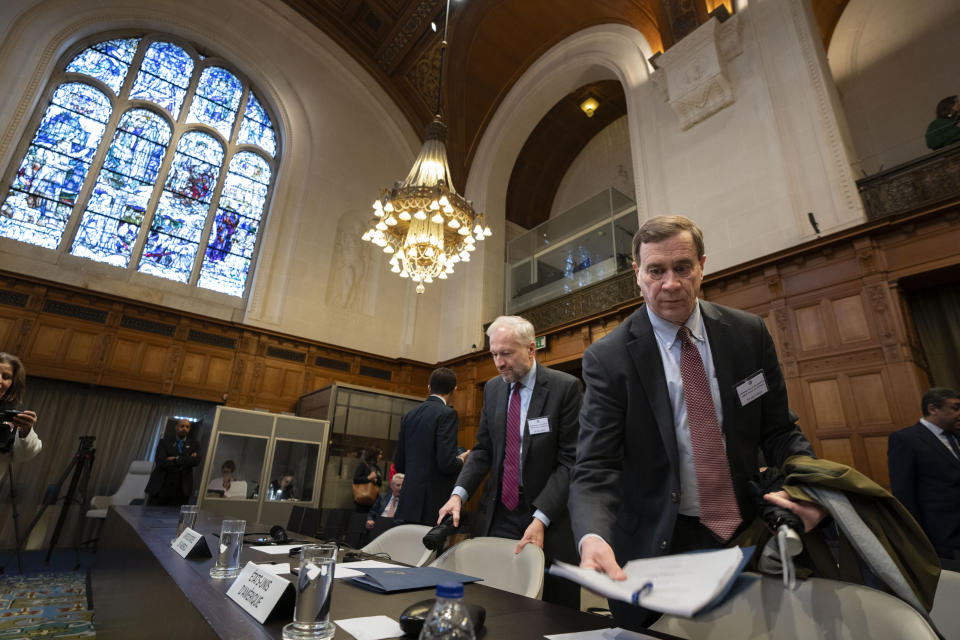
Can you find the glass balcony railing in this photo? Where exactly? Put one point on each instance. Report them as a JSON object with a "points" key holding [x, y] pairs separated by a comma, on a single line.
{"points": [[582, 246]]}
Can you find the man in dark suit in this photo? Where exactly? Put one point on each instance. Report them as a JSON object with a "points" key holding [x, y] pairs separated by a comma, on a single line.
{"points": [[427, 452], [924, 463], [171, 482], [387, 505], [526, 441], [680, 400]]}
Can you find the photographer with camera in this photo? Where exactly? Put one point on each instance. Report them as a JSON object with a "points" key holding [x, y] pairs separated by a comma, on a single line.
{"points": [[18, 439]]}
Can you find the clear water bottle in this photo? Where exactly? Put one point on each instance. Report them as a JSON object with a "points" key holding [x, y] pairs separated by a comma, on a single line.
{"points": [[448, 620]]}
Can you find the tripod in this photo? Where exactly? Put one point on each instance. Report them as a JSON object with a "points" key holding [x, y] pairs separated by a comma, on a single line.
{"points": [[16, 517], [81, 464]]}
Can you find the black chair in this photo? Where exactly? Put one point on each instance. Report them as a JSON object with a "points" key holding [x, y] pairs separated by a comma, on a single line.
{"points": [[333, 524], [305, 520]]}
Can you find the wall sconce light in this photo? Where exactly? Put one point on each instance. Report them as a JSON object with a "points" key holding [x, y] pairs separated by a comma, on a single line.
{"points": [[589, 106]]}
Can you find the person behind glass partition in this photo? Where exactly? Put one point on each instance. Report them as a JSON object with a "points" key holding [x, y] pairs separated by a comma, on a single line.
{"points": [[226, 484], [282, 488]]}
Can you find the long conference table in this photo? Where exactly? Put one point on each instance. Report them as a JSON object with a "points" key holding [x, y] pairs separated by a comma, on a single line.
{"points": [[143, 589]]}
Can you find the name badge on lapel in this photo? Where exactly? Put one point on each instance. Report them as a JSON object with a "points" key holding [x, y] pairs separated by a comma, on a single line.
{"points": [[538, 425], [751, 388]]}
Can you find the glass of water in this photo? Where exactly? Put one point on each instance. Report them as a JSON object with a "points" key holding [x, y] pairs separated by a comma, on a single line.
{"points": [[228, 556], [188, 518], [311, 616]]}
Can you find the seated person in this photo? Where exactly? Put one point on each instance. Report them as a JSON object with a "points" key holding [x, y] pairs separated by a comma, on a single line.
{"points": [[282, 489], [945, 129], [225, 483], [386, 504]]}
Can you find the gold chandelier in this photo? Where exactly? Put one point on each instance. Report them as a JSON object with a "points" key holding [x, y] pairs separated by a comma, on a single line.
{"points": [[422, 222]]}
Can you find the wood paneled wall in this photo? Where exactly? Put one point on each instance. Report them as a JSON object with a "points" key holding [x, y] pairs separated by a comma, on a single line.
{"points": [[834, 307], [86, 337]]}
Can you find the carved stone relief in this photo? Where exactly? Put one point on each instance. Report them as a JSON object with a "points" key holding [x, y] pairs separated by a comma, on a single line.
{"points": [[694, 74], [347, 279]]}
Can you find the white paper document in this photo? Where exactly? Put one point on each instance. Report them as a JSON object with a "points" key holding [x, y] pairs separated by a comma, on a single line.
{"points": [[343, 571], [276, 549], [681, 584], [371, 627], [602, 634]]}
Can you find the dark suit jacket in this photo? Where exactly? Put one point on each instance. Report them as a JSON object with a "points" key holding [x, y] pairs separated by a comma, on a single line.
{"points": [[925, 477], [626, 483], [380, 504], [547, 457], [179, 471], [427, 456]]}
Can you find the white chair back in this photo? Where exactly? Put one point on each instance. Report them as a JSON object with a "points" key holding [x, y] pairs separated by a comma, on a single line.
{"points": [[946, 613], [132, 488], [819, 608], [493, 560], [403, 543]]}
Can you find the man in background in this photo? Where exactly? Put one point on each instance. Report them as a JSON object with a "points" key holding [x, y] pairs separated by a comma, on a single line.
{"points": [[945, 130], [385, 506], [427, 452], [924, 462], [171, 482], [526, 441]]}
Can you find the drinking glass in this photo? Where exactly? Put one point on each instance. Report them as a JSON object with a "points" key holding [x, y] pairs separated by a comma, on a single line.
{"points": [[188, 518], [228, 556], [311, 615]]}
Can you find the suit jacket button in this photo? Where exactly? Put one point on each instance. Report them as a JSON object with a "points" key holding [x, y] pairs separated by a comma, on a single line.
{"points": [[663, 545], [674, 496]]}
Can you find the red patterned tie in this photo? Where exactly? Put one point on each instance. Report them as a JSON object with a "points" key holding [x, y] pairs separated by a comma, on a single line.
{"points": [[719, 510], [510, 482]]}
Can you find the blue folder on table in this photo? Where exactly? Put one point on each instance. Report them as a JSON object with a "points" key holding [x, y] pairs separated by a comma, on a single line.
{"points": [[388, 580]]}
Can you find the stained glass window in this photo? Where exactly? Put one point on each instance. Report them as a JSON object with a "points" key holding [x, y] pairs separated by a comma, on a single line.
{"points": [[164, 76], [234, 233], [217, 99], [107, 61], [178, 223], [45, 188], [256, 128], [122, 192], [106, 169]]}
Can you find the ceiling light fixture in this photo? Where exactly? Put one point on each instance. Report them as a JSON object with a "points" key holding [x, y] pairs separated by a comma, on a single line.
{"points": [[589, 106], [422, 222]]}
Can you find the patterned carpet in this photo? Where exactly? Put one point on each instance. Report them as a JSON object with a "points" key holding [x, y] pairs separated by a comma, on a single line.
{"points": [[45, 605]]}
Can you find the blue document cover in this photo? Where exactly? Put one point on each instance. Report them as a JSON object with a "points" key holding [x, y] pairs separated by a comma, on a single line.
{"points": [[407, 578]]}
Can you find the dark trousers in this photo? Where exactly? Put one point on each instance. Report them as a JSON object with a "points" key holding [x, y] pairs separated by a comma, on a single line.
{"points": [[513, 524], [688, 535]]}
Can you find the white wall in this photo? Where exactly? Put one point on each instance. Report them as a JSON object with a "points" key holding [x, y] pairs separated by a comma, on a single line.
{"points": [[603, 163], [893, 61], [747, 174], [343, 139]]}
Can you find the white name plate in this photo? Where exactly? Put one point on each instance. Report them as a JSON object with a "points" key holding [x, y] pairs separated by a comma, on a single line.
{"points": [[258, 592], [191, 544]]}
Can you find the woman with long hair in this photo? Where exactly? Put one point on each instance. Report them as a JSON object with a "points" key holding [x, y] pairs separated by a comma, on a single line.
{"points": [[368, 471], [18, 439]]}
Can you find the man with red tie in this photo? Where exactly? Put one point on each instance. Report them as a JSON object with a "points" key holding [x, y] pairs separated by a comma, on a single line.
{"points": [[526, 441], [680, 399]]}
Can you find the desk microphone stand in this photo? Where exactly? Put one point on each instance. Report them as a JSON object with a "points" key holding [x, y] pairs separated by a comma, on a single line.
{"points": [[80, 465]]}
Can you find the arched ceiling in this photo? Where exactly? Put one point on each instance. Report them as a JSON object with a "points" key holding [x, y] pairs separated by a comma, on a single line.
{"points": [[492, 42]]}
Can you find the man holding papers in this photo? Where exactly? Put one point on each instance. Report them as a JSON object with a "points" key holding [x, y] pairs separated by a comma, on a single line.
{"points": [[680, 398]]}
